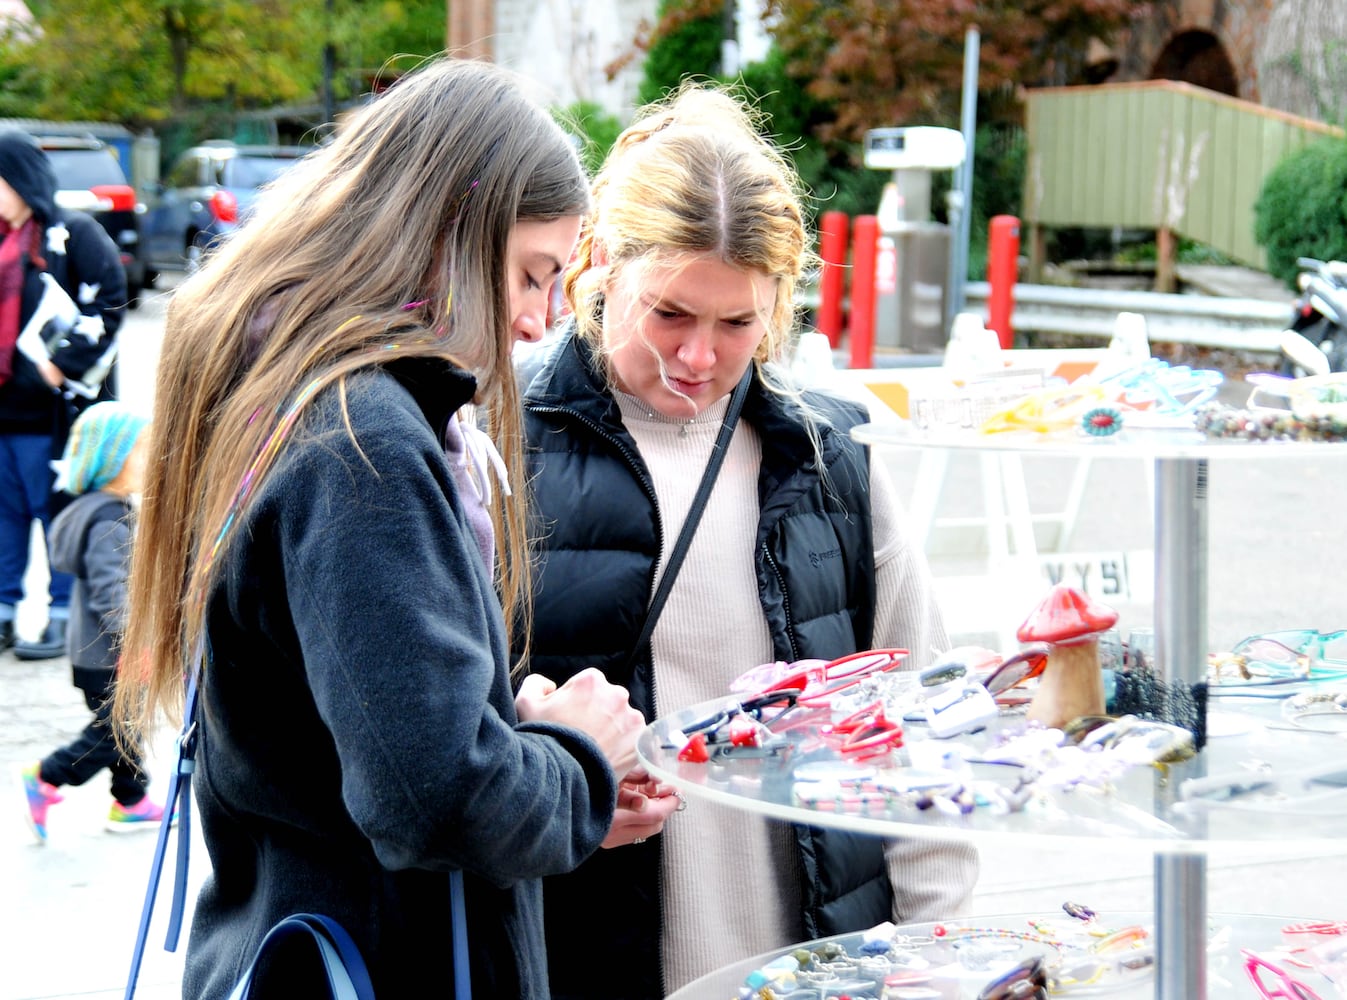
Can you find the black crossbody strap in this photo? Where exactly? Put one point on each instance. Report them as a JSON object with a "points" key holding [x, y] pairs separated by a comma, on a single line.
{"points": [[680, 549]]}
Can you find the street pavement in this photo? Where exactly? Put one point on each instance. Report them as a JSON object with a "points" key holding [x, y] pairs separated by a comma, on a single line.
{"points": [[69, 909]]}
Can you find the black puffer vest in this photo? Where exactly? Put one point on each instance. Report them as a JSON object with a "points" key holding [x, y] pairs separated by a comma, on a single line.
{"points": [[601, 524]]}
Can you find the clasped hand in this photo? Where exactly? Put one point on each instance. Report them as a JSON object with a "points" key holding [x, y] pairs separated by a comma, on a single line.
{"points": [[643, 805], [602, 710]]}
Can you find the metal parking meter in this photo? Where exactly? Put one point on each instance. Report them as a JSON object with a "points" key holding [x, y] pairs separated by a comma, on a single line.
{"points": [[912, 258]]}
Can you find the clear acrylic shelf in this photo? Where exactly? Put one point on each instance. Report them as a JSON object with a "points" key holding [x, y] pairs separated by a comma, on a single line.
{"points": [[1223, 965], [1142, 807]]}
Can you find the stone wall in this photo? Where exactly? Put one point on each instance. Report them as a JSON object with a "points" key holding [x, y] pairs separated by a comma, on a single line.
{"points": [[568, 47], [1290, 55]]}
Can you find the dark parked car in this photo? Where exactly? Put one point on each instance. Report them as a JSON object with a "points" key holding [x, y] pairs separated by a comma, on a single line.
{"points": [[90, 178], [203, 197]]}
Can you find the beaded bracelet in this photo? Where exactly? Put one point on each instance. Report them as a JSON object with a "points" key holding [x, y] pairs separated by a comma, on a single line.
{"points": [[962, 933]]}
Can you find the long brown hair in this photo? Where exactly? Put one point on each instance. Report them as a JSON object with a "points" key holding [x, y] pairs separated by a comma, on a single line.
{"points": [[394, 232]]}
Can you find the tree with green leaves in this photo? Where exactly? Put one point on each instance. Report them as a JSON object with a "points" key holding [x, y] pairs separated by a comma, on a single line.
{"points": [[140, 62], [686, 42], [595, 131]]}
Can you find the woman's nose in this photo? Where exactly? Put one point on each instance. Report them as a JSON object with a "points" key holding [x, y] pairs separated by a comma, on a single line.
{"points": [[697, 351], [531, 324]]}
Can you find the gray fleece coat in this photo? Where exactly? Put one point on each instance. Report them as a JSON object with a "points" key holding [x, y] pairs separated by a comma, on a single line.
{"points": [[91, 538]]}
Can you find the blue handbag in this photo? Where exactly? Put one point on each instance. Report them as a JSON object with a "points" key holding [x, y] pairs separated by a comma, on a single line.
{"points": [[344, 969]]}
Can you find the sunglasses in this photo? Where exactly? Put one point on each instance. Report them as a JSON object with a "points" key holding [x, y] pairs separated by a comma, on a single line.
{"points": [[866, 733], [1278, 984], [739, 725], [1317, 711], [1284, 657], [1027, 980], [818, 681], [1025, 665], [1168, 389], [1319, 787], [1136, 740]]}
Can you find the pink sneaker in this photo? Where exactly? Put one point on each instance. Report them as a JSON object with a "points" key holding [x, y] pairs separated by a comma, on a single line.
{"points": [[40, 796], [144, 815]]}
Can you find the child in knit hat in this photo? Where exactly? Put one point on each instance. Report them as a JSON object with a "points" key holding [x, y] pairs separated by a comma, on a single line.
{"points": [[103, 466]]}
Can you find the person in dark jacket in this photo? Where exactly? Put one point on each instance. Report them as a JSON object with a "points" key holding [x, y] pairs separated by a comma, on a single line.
{"points": [[103, 467], [682, 289], [62, 298], [324, 517]]}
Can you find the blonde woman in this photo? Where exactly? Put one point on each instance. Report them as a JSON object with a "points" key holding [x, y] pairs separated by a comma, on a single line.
{"points": [[323, 520], [683, 288]]}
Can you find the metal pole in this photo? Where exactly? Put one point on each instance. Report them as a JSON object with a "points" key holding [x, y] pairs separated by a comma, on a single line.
{"points": [[962, 203], [1180, 655]]}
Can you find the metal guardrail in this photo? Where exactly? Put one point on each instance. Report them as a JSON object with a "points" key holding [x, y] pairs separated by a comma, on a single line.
{"points": [[1200, 320]]}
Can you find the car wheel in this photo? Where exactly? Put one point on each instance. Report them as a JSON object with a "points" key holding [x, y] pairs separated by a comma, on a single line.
{"points": [[193, 259], [133, 293]]}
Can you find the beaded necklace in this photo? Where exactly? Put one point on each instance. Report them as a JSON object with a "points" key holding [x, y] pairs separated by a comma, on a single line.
{"points": [[711, 415], [1219, 420]]}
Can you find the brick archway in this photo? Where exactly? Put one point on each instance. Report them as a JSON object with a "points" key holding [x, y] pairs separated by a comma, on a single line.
{"points": [[1199, 58]]}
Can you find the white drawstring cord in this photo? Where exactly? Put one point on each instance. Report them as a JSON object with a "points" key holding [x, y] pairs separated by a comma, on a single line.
{"points": [[480, 457]]}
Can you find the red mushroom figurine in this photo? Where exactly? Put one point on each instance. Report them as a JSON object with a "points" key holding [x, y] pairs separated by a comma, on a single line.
{"points": [[1072, 683]]}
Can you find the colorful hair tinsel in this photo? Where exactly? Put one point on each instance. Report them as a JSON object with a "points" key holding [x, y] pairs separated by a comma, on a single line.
{"points": [[266, 453], [458, 202]]}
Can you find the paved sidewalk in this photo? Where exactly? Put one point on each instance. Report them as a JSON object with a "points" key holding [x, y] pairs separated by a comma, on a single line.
{"points": [[71, 908]]}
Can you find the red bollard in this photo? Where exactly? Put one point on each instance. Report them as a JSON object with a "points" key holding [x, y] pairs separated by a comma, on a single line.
{"points": [[864, 249], [832, 248], [1003, 265]]}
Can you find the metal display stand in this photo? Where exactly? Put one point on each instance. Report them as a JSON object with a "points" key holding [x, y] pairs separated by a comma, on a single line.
{"points": [[1141, 809]]}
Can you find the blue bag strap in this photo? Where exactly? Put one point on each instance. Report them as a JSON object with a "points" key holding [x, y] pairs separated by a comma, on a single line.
{"points": [[179, 801], [459, 912], [347, 977]]}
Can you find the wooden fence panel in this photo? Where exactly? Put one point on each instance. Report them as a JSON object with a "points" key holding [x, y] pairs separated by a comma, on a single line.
{"points": [[1145, 155]]}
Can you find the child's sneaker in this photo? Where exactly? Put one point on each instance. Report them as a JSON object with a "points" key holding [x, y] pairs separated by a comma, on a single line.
{"points": [[40, 796], [144, 815]]}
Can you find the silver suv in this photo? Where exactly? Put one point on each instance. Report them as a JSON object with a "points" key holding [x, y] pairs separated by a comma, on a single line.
{"points": [[203, 197]]}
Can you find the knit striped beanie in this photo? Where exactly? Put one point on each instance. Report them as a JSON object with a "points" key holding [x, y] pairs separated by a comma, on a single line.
{"points": [[100, 441]]}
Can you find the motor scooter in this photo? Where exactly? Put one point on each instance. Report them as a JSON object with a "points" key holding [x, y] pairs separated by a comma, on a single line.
{"points": [[1316, 341]]}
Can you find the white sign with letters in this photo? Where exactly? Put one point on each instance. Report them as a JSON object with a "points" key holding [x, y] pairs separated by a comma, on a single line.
{"points": [[1105, 576]]}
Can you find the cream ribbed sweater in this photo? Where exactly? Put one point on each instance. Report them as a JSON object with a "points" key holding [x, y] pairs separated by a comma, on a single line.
{"points": [[730, 886]]}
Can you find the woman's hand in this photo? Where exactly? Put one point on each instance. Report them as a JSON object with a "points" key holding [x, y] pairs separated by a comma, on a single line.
{"points": [[52, 375], [643, 806], [587, 702]]}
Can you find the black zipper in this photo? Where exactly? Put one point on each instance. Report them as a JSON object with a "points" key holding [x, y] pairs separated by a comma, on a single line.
{"points": [[770, 560]]}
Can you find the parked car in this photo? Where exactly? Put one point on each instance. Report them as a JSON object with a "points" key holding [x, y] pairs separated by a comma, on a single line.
{"points": [[208, 190], [89, 177]]}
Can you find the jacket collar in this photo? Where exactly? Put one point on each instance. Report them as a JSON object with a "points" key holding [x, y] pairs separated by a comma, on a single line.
{"points": [[438, 386]]}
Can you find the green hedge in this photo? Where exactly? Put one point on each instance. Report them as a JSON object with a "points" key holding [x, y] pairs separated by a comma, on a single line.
{"points": [[1302, 209]]}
